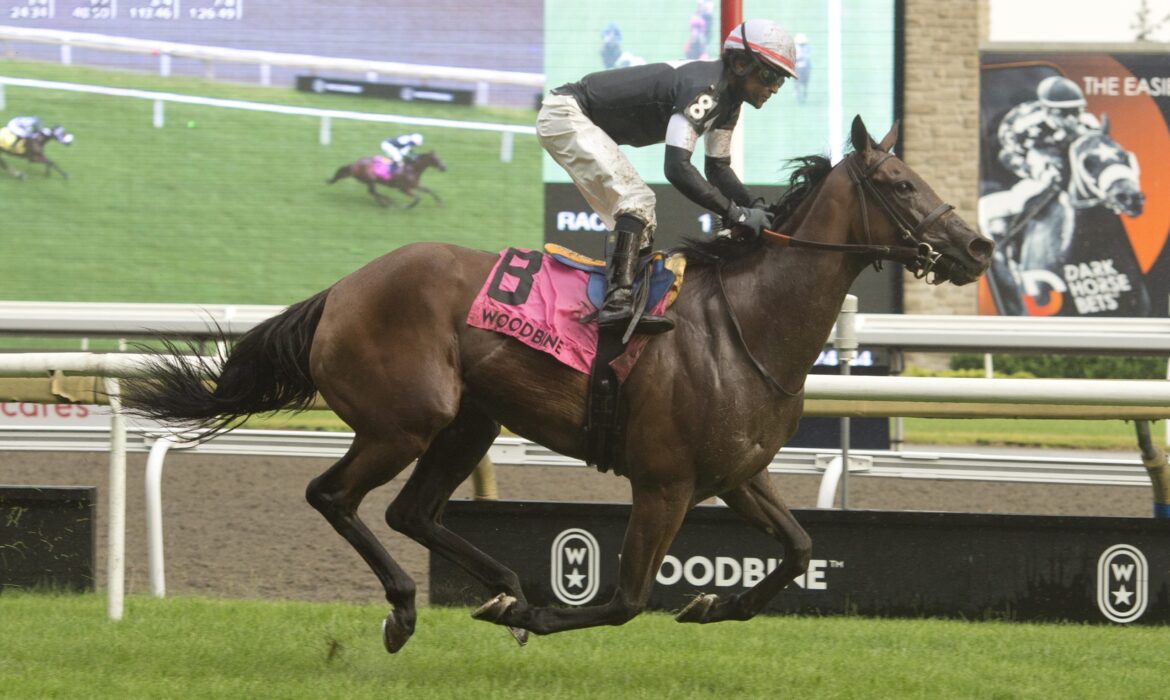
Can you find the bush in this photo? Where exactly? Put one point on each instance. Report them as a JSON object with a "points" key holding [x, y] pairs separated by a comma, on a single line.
{"points": [[1066, 366]]}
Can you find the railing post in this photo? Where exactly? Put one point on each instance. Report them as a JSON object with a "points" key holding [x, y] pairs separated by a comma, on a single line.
{"points": [[506, 138], [164, 64], [154, 526], [846, 343], [325, 135], [159, 117], [265, 74], [116, 530]]}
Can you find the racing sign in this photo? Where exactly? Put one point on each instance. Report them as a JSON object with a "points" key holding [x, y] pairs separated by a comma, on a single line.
{"points": [[1074, 149]]}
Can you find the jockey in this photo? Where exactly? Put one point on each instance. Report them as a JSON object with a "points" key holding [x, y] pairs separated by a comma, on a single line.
{"points": [[581, 125], [1034, 139], [23, 128], [399, 147]]}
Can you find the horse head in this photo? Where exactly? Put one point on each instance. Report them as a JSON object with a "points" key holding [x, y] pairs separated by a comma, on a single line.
{"points": [[900, 210], [431, 158], [1104, 173]]}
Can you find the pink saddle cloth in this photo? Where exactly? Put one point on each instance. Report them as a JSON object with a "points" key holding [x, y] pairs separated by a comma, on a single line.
{"points": [[540, 302], [384, 169]]}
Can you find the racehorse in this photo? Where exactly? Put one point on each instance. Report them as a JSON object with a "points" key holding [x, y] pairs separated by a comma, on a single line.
{"points": [[375, 170], [708, 405], [1101, 175], [32, 148]]}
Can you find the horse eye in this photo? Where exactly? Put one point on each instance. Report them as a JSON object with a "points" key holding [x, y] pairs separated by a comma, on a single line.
{"points": [[903, 187]]}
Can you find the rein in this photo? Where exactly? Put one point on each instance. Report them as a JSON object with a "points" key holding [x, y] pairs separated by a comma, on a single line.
{"points": [[920, 260]]}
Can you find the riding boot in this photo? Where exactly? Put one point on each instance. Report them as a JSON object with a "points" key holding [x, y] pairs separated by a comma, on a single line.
{"points": [[618, 308]]}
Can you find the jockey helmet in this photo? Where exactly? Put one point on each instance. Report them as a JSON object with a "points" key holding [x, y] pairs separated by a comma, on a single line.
{"points": [[766, 42], [1059, 92], [415, 139]]}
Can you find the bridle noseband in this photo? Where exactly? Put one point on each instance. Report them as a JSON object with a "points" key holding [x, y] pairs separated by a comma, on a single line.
{"points": [[919, 257]]}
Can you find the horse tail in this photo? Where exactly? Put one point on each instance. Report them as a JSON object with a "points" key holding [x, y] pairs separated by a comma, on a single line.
{"points": [[342, 173], [267, 369]]}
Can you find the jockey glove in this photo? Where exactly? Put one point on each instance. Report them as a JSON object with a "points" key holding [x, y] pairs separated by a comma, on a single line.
{"points": [[753, 219]]}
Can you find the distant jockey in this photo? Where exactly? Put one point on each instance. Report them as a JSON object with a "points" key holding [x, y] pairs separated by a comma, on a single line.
{"points": [[398, 148]]}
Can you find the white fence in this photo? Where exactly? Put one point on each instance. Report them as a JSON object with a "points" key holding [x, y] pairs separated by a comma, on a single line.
{"points": [[326, 116]]}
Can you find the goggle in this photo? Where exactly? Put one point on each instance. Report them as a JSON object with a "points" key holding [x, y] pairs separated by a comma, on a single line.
{"points": [[768, 76]]}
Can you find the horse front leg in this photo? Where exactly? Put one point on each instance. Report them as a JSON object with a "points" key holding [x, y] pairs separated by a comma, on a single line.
{"points": [[414, 198], [757, 502], [438, 201], [655, 519], [50, 166]]}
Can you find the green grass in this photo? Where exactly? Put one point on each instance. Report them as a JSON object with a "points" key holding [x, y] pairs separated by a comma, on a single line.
{"points": [[1071, 434], [235, 210], [63, 646]]}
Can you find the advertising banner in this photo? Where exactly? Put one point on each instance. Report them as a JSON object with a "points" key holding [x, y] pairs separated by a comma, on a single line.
{"points": [[878, 563], [1074, 151]]}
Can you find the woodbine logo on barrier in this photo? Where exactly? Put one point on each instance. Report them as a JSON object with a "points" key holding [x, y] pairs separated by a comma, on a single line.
{"points": [[892, 564]]}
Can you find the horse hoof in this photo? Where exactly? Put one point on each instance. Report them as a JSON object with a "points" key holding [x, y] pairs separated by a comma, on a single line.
{"points": [[520, 635], [395, 634], [494, 609], [697, 609]]}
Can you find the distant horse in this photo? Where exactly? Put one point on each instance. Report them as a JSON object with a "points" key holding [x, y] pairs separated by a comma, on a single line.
{"points": [[708, 405], [32, 148], [376, 170], [1101, 174]]}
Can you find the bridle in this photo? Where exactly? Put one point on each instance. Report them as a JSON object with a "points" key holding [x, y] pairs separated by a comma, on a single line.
{"points": [[919, 257]]}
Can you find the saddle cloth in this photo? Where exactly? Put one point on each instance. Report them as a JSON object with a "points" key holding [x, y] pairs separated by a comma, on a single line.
{"points": [[385, 169], [7, 139], [540, 299]]}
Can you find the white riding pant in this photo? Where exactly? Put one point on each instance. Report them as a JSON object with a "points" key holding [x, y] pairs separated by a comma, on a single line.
{"points": [[603, 174]]}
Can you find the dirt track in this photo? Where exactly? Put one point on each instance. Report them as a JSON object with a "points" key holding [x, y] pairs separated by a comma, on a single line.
{"points": [[239, 526]]}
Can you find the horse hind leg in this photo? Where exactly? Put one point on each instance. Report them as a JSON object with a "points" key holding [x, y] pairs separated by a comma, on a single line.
{"points": [[14, 173], [338, 492], [657, 514], [417, 510], [757, 502], [438, 201]]}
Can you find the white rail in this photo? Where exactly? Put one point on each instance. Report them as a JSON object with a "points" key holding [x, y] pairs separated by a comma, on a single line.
{"points": [[326, 116]]}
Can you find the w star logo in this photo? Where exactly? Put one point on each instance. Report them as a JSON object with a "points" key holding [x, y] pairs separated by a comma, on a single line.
{"points": [[1122, 583], [576, 566]]}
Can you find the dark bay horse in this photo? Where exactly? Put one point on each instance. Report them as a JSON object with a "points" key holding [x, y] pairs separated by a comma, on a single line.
{"points": [[373, 170], [708, 405], [33, 148]]}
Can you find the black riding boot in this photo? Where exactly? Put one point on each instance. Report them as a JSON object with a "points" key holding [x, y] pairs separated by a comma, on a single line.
{"points": [[618, 308]]}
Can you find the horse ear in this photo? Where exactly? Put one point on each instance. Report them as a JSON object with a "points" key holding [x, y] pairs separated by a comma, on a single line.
{"points": [[860, 136], [1104, 123], [890, 138]]}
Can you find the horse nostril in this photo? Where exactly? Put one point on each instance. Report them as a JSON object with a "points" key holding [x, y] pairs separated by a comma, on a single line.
{"points": [[981, 248]]}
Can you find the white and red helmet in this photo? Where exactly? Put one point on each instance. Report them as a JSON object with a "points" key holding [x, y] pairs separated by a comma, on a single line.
{"points": [[767, 42]]}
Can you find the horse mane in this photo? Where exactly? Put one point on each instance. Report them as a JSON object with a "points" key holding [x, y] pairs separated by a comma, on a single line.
{"points": [[808, 172]]}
